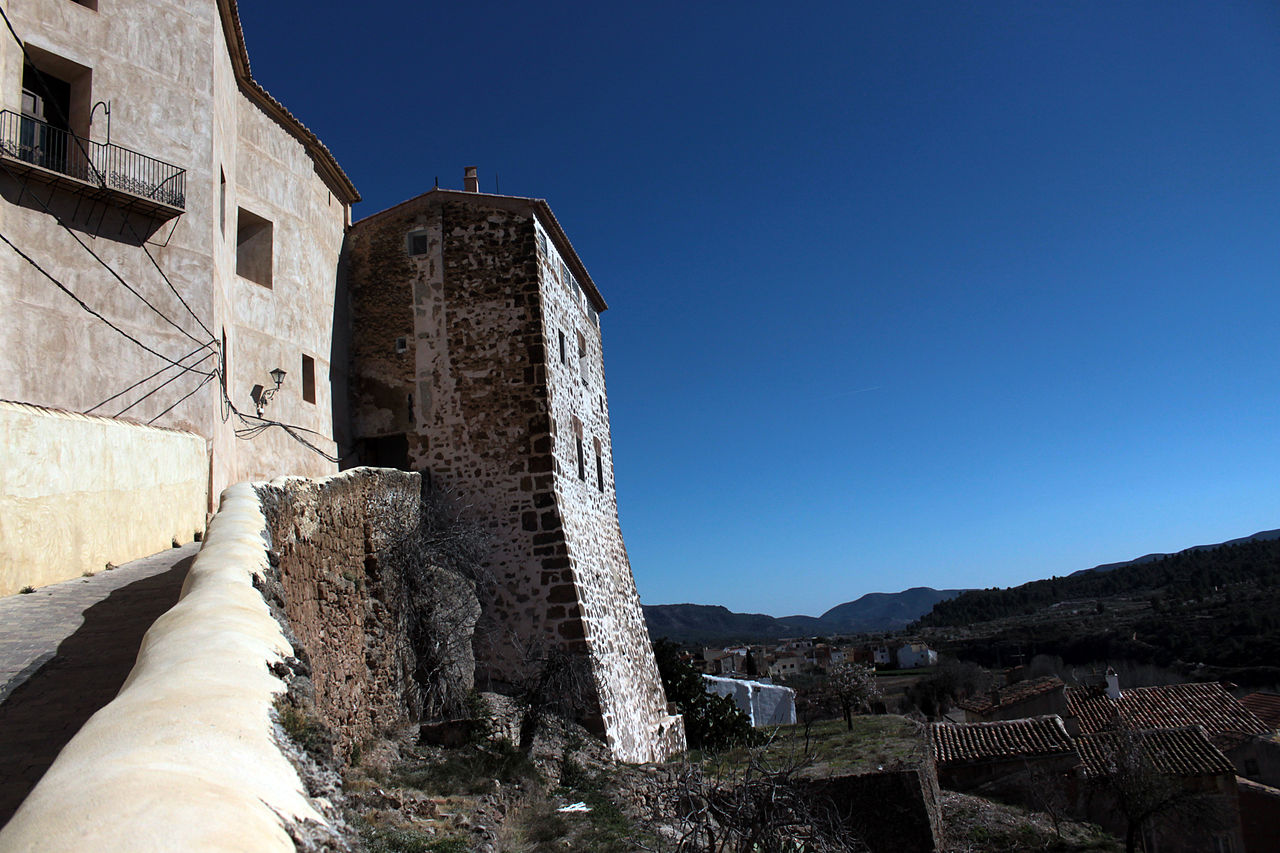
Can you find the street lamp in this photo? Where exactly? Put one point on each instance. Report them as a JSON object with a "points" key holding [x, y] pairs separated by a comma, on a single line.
{"points": [[263, 397]]}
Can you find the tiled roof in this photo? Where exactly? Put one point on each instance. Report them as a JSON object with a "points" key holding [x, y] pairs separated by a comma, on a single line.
{"points": [[1175, 752], [962, 742], [1209, 706], [1012, 695], [1265, 706]]}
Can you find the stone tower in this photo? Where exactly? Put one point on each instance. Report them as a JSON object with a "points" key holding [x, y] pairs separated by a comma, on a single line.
{"points": [[476, 358]]}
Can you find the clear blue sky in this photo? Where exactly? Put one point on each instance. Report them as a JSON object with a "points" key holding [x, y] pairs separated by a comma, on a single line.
{"points": [[943, 294]]}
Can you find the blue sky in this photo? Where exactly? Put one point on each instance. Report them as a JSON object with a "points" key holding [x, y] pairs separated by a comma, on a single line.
{"points": [[900, 293]]}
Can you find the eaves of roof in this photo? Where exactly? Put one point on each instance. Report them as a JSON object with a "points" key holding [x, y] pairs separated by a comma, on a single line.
{"points": [[959, 743], [537, 206], [323, 157]]}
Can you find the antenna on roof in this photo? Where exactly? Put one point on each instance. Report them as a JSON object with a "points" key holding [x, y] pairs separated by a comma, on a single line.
{"points": [[437, 182], [496, 189]]}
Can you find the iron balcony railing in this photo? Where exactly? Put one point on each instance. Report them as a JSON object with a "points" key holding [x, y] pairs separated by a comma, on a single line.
{"points": [[101, 164]]}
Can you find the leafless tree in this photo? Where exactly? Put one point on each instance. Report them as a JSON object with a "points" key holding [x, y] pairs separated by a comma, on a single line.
{"points": [[1145, 796], [761, 805]]}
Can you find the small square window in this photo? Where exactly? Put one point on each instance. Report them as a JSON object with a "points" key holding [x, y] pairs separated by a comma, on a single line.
{"points": [[253, 247], [308, 379], [402, 345], [417, 243]]}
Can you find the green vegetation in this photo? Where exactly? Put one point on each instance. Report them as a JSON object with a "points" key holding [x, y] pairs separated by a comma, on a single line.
{"points": [[1219, 606], [874, 742], [302, 729], [26, 590], [404, 840], [710, 722], [471, 769]]}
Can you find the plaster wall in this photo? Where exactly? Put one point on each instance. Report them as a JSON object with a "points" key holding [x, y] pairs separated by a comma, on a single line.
{"points": [[186, 756], [166, 68], [77, 492], [483, 405]]}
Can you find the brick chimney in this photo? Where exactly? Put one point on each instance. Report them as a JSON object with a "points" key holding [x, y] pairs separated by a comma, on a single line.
{"points": [[470, 181]]}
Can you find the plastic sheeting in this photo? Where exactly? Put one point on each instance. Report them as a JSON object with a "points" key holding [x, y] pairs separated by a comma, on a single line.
{"points": [[764, 704]]}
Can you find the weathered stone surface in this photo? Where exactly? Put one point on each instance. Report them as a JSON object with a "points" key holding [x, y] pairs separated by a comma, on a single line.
{"points": [[387, 637], [510, 414]]}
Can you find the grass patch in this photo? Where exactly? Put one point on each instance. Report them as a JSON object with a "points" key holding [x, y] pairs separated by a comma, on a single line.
{"points": [[26, 590], [407, 840], [303, 730], [468, 770], [876, 742]]}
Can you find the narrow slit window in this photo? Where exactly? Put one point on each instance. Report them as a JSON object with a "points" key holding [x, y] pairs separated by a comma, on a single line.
{"points": [[582, 461], [222, 202], [599, 465], [563, 359], [308, 379]]}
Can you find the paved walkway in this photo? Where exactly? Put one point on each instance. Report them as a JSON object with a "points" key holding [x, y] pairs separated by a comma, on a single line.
{"points": [[65, 650]]}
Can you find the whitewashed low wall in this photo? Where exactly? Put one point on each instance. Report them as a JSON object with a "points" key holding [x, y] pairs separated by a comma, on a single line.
{"points": [[78, 491], [765, 704], [183, 758]]}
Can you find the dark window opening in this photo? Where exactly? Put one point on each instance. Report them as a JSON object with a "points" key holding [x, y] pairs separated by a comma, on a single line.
{"points": [[563, 359], [402, 344], [222, 202], [388, 451], [253, 247], [222, 362], [308, 379], [418, 243], [599, 465], [582, 467], [542, 242]]}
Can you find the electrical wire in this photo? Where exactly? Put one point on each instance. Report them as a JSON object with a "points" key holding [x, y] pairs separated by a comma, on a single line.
{"points": [[173, 378], [102, 181], [191, 393], [82, 304], [146, 379], [254, 429]]}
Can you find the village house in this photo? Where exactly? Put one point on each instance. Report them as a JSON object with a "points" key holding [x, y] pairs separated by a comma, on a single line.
{"points": [[1183, 766], [1033, 697], [915, 655], [173, 239], [1015, 760]]}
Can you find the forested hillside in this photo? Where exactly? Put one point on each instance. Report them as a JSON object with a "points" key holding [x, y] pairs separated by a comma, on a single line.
{"points": [[1188, 575], [1211, 613]]}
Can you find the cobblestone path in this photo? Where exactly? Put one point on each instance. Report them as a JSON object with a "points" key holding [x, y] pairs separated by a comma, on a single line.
{"points": [[65, 650]]}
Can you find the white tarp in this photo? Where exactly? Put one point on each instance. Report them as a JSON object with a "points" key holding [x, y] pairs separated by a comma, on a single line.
{"points": [[765, 704]]}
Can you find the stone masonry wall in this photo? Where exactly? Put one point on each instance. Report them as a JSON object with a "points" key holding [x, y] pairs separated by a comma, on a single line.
{"points": [[632, 702], [364, 612], [484, 387]]}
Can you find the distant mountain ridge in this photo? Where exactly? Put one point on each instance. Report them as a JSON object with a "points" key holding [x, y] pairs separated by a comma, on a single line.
{"points": [[709, 623], [1261, 536]]}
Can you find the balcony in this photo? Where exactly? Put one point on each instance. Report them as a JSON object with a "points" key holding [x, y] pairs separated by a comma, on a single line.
{"points": [[98, 170]]}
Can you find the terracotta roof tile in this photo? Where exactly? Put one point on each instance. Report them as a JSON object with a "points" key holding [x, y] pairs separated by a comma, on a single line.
{"points": [[1265, 706], [1013, 694], [1225, 720], [963, 742], [1175, 752]]}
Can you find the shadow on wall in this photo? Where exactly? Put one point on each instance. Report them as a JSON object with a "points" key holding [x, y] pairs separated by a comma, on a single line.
{"points": [[41, 715]]}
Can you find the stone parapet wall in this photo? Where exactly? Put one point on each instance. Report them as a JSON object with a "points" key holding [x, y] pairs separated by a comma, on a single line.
{"points": [[186, 756], [78, 492], [386, 637]]}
